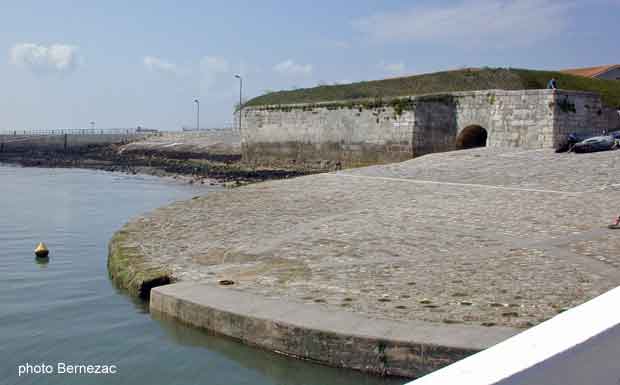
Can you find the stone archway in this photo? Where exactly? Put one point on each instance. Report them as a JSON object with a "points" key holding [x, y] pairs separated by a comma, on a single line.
{"points": [[471, 137]]}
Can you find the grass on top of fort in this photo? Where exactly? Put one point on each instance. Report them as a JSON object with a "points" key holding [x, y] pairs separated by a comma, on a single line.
{"points": [[448, 81]]}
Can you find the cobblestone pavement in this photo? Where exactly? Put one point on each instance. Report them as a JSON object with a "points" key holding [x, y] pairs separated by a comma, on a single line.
{"points": [[484, 236]]}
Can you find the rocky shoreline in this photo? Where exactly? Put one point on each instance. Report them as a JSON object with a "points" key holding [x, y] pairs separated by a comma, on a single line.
{"points": [[202, 168]]}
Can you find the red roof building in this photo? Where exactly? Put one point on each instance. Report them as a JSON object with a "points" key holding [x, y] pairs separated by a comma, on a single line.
{"points": [[608, 72]]}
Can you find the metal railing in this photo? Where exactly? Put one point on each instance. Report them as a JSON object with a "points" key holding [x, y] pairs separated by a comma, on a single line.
{"points": [[75, 131], [210, 129]]}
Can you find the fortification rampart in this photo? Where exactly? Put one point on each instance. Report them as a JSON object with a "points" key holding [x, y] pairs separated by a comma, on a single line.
{"points": [[378, 131]]}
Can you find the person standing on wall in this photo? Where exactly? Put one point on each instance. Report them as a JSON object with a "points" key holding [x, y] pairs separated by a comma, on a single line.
{"points": [[552, 85]]}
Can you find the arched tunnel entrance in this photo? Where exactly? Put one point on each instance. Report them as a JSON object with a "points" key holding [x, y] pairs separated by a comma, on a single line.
{"points": [[471, 137]]}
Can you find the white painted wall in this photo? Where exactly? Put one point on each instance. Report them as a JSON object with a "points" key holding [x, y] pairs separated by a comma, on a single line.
{"points": [[578, 347]]}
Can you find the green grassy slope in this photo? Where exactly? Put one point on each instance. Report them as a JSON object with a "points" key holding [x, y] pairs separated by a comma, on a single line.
{"points": [[449, 81]]}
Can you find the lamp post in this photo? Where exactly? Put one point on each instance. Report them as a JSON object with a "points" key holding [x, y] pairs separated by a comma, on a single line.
{"points": [[197, 114], [92, 126], [240, 97]]}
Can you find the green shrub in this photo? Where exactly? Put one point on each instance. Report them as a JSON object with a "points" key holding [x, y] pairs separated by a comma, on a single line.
{"points": [[370, 92]]}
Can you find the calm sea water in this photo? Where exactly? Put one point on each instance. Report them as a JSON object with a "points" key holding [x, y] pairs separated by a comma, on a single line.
{"points": [[68, 310]]}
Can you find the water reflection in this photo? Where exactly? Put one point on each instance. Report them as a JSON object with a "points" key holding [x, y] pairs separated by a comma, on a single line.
{"points": [[42, 261], [279, 369]]}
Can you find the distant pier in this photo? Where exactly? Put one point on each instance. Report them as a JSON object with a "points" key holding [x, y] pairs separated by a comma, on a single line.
{"points": [[17, 141]]}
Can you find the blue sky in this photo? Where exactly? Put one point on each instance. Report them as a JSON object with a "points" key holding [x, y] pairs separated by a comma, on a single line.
{"points": [[124, 64]]}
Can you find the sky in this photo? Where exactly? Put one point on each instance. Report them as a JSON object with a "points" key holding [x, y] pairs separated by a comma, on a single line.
{"points": [[136, 63]]}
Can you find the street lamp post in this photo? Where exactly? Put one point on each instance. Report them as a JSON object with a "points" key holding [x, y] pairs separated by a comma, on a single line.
{"points": [[240, 97], [197, 114]]}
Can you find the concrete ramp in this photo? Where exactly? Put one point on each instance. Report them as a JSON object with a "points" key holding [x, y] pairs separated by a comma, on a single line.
{"points": [[469, 240], [323, 335]]}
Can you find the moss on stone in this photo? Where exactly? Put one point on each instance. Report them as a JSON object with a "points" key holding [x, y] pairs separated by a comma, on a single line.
{"points": [[128, 270]]}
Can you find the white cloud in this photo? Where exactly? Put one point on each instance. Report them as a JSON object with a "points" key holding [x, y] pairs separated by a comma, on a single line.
{"points": [[214, 64], [59, 58], [507, 22], [155, 64], [393, 68], [211, 68], [289, 67]]}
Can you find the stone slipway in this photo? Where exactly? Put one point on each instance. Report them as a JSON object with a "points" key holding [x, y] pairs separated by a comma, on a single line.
{"points": [[224, 143], [328, 336], [477, 238]]}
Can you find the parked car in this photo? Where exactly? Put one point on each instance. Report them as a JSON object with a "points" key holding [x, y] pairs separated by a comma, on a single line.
{"points": [[597, 143], [570, 140]]}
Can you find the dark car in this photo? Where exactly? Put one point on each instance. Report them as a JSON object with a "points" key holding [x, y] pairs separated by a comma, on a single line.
{"points": [[570, 140], [597, 143]]}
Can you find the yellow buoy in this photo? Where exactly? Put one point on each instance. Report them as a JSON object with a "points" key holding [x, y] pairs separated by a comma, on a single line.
{"points": [[41, 251]]}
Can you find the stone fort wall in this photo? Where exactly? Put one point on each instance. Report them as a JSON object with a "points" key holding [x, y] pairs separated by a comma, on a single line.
{"points": [[377, 131]]}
